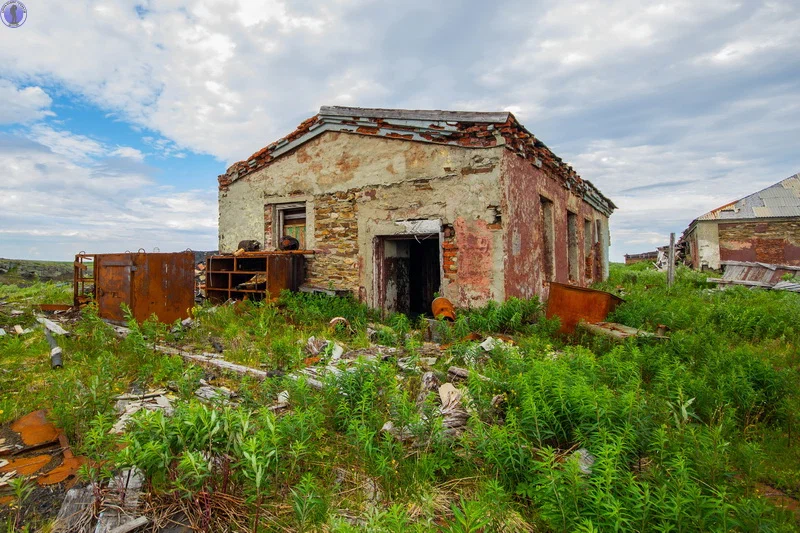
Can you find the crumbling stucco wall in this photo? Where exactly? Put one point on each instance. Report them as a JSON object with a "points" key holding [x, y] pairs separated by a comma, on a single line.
{"points": [[525, 186], [764, 241], [705, 240], [357, 188]]}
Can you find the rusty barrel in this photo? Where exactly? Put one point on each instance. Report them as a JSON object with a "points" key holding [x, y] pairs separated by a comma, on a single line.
{"points": [[443, 309]]}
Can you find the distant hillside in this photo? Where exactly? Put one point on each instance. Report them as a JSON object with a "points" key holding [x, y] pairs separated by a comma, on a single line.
{"points": [[23, 272]]}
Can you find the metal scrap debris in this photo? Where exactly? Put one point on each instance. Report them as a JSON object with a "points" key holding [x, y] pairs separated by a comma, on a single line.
{"points": [[764, 275], [43, 452]]}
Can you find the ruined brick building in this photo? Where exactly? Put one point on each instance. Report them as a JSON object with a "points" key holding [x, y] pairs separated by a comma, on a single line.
{"points": [[762, 227], [399, 205]]}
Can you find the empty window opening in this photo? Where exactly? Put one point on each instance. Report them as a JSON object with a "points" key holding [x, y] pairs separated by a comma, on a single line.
{"points": [[598, 246], [548, 239], [408, 273], [291, 221], [572, 245], [587, 247]]}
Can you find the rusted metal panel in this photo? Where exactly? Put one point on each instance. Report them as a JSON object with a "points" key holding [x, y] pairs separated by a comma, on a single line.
{"points": [[163, 284], [44, 451], [113, 284], [573, 304], [160, 284]]}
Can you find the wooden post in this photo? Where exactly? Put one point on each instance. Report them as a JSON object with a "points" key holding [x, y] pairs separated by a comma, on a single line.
{"points": [[671, 261]]}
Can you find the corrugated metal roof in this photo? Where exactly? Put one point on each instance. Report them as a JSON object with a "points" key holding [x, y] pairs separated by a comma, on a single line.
{"points": [[779, 200]]}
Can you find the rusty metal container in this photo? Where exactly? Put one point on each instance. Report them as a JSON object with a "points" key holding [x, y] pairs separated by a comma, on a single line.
{"points": [[443, 308], [148, 283], [572, 304]]}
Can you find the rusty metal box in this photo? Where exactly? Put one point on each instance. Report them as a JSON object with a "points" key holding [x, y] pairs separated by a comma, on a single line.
{"points": [[149, 283]]}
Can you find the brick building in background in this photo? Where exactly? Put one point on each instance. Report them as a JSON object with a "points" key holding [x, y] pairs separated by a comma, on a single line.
{"points": [[398, 205], [763, 227]]}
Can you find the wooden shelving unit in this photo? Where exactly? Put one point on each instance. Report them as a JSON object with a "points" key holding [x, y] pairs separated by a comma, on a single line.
{"points": [[275, 272]]}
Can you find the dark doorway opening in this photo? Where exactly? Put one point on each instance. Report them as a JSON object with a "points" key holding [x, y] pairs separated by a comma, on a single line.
{"points": [[408, 273]]}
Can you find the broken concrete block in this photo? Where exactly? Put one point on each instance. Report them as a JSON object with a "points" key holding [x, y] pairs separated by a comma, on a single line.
{"points": [[315, 346], [490, 344], [336, 352], [449, 395], [215, 394]]}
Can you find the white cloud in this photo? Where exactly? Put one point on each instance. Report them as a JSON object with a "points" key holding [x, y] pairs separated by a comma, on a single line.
{"points": [[22, 105], [127, 151], [60, 203], [701, 96], [73, 146]]}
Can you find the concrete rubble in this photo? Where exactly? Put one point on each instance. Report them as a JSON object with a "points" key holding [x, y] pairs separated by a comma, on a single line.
{"points": [[128, 405]]}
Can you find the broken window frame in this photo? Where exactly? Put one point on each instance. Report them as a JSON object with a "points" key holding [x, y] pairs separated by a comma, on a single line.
{"points": [[288, 211]]}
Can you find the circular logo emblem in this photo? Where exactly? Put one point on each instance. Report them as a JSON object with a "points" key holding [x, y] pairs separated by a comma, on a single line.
{"points": [[14, 14]]}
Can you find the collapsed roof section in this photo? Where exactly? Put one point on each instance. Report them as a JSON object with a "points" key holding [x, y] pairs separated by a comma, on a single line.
{"points": [[457, 128]]}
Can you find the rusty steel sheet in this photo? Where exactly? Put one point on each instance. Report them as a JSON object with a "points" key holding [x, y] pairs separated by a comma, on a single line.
{"points": [[573, 304], [44, 454], [160, 284]]}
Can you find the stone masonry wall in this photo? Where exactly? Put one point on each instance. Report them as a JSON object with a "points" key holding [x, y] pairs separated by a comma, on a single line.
{"points": [[336, 231]]}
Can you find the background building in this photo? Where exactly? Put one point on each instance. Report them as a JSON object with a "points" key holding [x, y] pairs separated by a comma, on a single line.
{"points": [[762, 227]]}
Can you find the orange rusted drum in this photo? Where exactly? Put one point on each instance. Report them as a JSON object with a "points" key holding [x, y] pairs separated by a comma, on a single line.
{"points": [[443, 309]]}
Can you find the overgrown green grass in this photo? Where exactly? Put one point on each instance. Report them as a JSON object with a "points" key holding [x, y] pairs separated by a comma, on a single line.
{"points": [[681, 432]]}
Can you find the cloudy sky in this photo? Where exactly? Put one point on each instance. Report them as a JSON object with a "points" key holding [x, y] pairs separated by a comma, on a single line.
{"points": [[117, 117]]}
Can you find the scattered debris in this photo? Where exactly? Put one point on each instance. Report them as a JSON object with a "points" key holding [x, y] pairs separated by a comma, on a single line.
{"points": [[621, 331], [38, 453], [455, 373], [16, 312], [402, 434], [52, 326], [763, 275], [55, 351], [77, 509], [340, 321], [120, 504], [490, 344], [54, 308], [2, 332], [213, 394], [428, 383], [282, 403], [585, 460], [454, 416], [217, 345], [129, 404]]}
